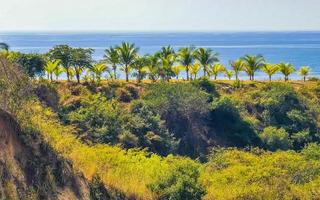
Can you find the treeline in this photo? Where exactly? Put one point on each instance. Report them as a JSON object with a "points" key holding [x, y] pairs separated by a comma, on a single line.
{"points": [[165, 64]]}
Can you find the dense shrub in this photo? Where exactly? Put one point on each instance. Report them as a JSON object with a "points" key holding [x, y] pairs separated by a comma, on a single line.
{"points": [[225, 119], [274, 139]]}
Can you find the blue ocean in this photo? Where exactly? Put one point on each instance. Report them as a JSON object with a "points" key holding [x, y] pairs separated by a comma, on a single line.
{"points": [[298, 48]]}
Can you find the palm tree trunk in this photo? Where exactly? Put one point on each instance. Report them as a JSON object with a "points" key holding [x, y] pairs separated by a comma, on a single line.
{"points": [[304, 78], [51, 77], [215, 76], [237, 76], [127, 73], [78, 77], [187, 70], [115, 71], [269, 78], [68, 75], [204, 70]]}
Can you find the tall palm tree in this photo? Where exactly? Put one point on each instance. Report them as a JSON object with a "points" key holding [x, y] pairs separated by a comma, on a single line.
{"points": [[98, 69], [194, 70], [127, 55], [216, 69], [304, 72], [237, 66], [206, 58], [186, 58], [58, 71], [4, 46], [229, 73], [252, 64], [50, 68], [112, 57], [286, 69], [270, 70], [177, 70]]}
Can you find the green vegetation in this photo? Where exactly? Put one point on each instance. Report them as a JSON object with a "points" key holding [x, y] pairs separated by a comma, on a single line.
{"points": [[196, 139]]}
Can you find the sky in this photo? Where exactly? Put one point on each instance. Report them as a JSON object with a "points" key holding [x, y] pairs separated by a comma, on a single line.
{"points": [[159, 15]]}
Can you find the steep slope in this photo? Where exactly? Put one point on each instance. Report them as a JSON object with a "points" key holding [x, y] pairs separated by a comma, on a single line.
{"points": [[29, 169]]}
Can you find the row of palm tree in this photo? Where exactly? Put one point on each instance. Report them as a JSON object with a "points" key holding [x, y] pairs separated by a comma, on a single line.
{"points": [[164, 64]]}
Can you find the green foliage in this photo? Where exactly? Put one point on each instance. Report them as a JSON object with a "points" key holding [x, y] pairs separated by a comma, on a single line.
{"points": [[281, 106], [226, 120], [184, 107], [275, 139], [235, 174], [180, 183], [31, 63]]}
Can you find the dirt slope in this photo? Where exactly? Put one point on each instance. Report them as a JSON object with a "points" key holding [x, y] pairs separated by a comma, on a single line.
{"points": [[29, 169]]}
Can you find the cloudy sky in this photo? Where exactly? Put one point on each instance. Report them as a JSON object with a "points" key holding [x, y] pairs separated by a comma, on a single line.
{"points": [[159, 15]]}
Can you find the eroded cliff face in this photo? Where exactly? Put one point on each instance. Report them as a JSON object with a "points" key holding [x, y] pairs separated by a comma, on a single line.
{"points": [[29, 169]]}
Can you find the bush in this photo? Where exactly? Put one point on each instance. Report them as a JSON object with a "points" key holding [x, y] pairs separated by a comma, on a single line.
{"points": [[180, 183], [226, 121], [275, 139]]}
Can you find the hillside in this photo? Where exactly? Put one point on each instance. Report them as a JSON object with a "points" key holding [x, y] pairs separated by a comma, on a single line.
{"points": [[29, 169]]}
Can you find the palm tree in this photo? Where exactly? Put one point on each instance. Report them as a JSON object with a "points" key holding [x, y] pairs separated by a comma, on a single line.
{"points": [[166, 58], [195, 68], [127, 55], [237, 66], [98, 69], [153, 67], [71, 72], [286, 69], [112, 57], [216, 69], [206, 58], [81, 58], [58, 71], [186, 58], [140, 65], [177, 70], [4, 46], [252, 64], [270, 70], [229, 73], [50, 68], [304, 72]]}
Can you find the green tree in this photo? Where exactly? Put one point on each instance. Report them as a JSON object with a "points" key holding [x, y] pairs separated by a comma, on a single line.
{"points": [[186, 58], [286, 69], [194, 70], [58, 71], [140, 65], [237, 66], [98, 69], [274, 138], [252, 64], [177, 70], [127, 55], [64, 53], [216, 69], [4, 46], [50, 68], [112, 57], [270, 70], [153, 67], [229, 74], [81, 59], [206, 58], [304, 72]]}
